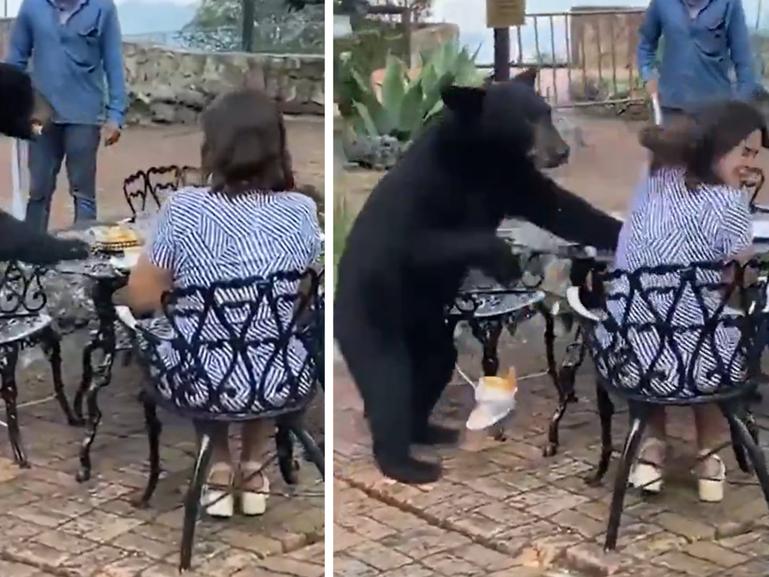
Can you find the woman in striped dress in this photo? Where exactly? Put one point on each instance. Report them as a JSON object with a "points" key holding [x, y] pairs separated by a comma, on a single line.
{"points": [[689, 209], [246, 224]]}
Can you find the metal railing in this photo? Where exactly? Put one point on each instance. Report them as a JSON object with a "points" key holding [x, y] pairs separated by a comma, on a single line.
{"points": [[586, 58]]}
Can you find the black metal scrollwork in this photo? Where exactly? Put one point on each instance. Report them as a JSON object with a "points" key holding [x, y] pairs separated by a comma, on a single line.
{"points": [[21, 290], [221, 337]]}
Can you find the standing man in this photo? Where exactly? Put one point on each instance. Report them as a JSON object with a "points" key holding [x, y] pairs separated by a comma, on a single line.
{"points": [[704, 42], [73, 46]]}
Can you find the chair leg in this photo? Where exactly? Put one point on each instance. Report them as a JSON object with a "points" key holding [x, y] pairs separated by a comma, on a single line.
{"points": [[314, 453], [639, 416], [51, 343], [154, 429], [605, 413], [285, 448], [739, 449], [192, 501], [735, 414], [9, 393]]}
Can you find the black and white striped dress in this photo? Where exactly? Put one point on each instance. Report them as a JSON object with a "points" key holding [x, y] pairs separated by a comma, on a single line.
{"points": [[203, 238], [671, 225]]}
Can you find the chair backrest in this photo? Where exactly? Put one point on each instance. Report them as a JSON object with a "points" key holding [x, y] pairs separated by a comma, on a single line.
{"points": [[156, 184], [21, 290], [135, 191], [240, 347], [677, 332]]}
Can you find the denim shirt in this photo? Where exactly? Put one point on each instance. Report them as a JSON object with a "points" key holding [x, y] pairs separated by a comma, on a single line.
{"points": [[699, 52], [71, 59]]}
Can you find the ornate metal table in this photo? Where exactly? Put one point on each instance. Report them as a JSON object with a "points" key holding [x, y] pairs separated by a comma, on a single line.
{"points": [[108, 338], [547, 263]]}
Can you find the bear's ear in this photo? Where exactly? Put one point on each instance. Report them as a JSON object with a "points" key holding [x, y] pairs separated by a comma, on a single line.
{"points": [[528, 76], [464, 100]]}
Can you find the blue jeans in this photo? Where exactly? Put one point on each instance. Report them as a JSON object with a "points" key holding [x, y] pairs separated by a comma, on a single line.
{"points": [[79, 144]]}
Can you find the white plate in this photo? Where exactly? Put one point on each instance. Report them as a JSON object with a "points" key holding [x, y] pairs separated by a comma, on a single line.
{"points": [[127, 261], [761, 228]]}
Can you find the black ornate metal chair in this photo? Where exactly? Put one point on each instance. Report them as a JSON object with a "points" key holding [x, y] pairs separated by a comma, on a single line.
{"points": [[676, 355], [154, 185], [264, 331], [24, 323]]}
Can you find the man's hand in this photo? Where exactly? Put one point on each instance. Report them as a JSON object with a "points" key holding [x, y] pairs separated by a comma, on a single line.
{"points": [[652, 87], [110, 133]]}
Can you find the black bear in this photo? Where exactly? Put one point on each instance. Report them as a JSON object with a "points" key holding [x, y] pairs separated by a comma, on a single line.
{"points": [[22, 109], [433, 216]]}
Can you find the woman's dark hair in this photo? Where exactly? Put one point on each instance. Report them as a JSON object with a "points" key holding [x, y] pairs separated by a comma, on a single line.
{"points": [[244, 144], [698, 140]]}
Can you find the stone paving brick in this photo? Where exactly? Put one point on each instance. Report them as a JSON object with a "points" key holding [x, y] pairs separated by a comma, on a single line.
{"points": [[683, 563], [423, 541], [715, 554], [755, 568], [487, 559], [346, 566], [66, 543], [653, 546], [579, 522], [411, 571], [10, 569], [136, 543], [547, 501], [287, 566], [379, 556], [126, 567], [448, 564], [591, 559], [687, 527], [34, 553]]}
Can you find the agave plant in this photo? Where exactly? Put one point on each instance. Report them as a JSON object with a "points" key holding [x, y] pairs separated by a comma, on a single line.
{"points": [[404, 105]]}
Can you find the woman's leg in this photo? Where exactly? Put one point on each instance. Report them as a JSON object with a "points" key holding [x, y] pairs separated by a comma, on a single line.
{"points": [[221, 460], [647, 474], [710, 471], [254, 484], [218, 498], [653, 450], [255, 437]]}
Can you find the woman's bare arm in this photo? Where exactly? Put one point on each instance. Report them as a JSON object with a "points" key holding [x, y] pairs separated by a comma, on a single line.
{"points": [[146, 286]]}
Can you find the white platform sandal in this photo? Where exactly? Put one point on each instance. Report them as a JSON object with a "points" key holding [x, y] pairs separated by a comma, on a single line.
{"points": [[253, 503], [647, 475], [219, 500], [711, 487]]}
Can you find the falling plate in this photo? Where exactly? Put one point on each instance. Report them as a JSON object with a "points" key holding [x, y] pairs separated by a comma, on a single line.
{"points": [[127, 261]]}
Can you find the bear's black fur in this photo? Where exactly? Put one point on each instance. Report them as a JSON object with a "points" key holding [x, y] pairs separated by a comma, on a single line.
{"points": [[18, 241], [433, 216]]}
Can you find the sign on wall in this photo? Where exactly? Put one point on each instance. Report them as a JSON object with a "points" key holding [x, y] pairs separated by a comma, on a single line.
{"points": [[505, 13]]}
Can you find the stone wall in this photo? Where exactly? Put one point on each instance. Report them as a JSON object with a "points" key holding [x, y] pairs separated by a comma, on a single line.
{"points": [[173, 86]]}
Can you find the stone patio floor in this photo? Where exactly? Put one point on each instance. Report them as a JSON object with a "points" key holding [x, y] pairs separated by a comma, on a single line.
{"points": [[51, 526], [502, 509]]}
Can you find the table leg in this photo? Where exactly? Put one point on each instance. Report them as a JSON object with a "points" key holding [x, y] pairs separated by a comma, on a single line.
{"points": [[95, 378], [487, 332]]}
